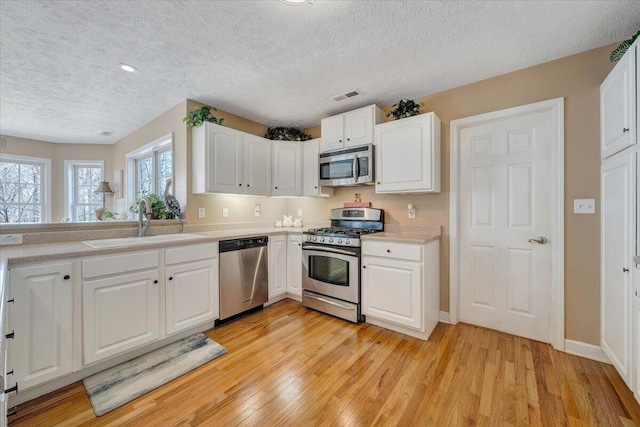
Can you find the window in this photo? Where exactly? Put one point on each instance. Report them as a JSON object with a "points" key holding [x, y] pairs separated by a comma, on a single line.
{"points": [[83, 177], [24, 189], [150, 166]]}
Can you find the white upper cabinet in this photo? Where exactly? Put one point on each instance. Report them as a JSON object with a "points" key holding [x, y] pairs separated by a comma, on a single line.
{"points": [[350, 129], [408, 155], [217, 159], [311, 170], [287, 169], [257, 165], [618, 104]]}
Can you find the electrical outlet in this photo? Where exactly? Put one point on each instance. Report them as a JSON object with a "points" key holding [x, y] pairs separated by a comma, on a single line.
{"points": [[299, 212], [225, 212], [584, 206], [200, 212], [11, 239], [411, 211], [257, 210]]}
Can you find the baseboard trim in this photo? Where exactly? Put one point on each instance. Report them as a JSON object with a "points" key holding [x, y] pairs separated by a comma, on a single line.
{"points": [[444, 317], [588, 351]]}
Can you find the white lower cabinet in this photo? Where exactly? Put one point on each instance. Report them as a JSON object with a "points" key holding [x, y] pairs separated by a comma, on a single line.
{"points": [[120, 313], [40, 321], [294, 265], [192, 286], [400, 286], [277, 266]]}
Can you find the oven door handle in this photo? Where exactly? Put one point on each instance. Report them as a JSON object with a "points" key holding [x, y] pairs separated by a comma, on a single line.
{"points": [[326, 301], [330, 250]]}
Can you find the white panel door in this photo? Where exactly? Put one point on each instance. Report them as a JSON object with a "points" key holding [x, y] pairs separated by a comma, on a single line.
{"points": [[287, 169], [504, 202], [257, 166], [192, 294], [332, 133], [41, 321], [224, 160], [294, 265], [277, 266], [358, 127], [119, 313], [617, 107], [618, 198]]}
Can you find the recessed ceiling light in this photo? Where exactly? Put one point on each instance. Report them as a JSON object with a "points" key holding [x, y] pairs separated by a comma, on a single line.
{"points": [[296, 2], [128, 68]]}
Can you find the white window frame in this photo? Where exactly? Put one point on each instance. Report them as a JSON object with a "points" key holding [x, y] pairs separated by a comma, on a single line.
{"points": [[153, 148], [45, 181], [70, 183]]}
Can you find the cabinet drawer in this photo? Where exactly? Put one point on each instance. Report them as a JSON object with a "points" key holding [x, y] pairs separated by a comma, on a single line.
{"points": [[118, 264], [392, 250], [190, 253]]}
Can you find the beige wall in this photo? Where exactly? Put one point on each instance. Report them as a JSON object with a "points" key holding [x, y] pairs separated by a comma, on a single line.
{"points": [[577, 78], [58, 153]]}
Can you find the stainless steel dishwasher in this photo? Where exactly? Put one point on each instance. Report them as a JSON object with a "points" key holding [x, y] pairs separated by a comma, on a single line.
{"points": [[244, 275]]}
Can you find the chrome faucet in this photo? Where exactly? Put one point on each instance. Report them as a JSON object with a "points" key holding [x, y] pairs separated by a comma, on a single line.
{"points": [[147, 214]]}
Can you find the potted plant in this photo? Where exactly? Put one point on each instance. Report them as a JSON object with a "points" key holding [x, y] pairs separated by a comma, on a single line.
{"points": [[201, 115], [286, 134], [157, 206], [624, 46], [404, 108]]}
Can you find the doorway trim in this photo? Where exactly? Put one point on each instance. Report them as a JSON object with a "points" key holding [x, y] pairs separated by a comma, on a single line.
{"points": [[556, 107]]}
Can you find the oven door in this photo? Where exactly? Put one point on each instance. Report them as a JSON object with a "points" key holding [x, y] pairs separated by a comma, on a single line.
{"points": [[332, 272]]}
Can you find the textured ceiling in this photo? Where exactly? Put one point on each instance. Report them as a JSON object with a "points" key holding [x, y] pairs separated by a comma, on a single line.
{"points": [[265, 60]]}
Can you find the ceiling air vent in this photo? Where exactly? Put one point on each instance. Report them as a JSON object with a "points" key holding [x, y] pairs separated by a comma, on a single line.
{"points": [[347, 95]]}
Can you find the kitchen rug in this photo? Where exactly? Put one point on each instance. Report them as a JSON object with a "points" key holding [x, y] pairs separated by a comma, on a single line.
{"points": [[121, 384]]}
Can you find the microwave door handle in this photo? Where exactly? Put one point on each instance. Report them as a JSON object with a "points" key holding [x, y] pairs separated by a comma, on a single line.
{"points": [[355, 168]]}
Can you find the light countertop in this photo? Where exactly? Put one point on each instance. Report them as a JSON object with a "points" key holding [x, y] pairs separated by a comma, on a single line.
{"points": [[413, 238]]}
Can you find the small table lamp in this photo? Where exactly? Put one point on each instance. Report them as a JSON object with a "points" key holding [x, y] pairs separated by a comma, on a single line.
{"points": [[103, 189]]}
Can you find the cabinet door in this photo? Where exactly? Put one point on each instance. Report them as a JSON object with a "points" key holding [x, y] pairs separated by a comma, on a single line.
{"points": [[41, 320], [192, 294], [617, 107], [119, 313], [277, 266], [332, 133], [618, 216], [224, 159], [311, 170], [257, 166], [287, 169], [358, 126], [392, 291], [408, 155], [294, 265]]}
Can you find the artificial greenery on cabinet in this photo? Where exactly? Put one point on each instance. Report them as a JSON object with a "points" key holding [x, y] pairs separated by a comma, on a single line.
{"points": [[200, 115], [624, 46], [404, 108], [286, 134]]}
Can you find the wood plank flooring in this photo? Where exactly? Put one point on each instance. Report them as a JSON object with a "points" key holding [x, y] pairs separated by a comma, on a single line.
{"points": [[288, 365]]}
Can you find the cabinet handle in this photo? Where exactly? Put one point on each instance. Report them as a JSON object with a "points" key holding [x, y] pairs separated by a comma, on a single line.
{"points": [[625, 130], [10, 372], [171, 278], [625, 270], [13, 413], [155, 282], [12, 389], [67, 277], [10, 335]]}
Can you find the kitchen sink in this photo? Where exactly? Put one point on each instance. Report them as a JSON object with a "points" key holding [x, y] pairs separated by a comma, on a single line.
{"points": [[133, 241]]}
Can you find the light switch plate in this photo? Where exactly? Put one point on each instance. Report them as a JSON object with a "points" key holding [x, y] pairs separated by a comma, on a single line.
{"points": [[584, 206], [225, 212], [200, 212], [11, 239]]}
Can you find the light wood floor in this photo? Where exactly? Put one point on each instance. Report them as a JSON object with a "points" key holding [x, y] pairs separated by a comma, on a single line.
{"points": [[288, 365]]}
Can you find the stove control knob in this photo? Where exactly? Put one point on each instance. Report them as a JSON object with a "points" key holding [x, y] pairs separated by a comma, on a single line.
{"points": [[308, 238], [330, 239], [321, 239], [339, 241], [314, 238], [347, 242]]}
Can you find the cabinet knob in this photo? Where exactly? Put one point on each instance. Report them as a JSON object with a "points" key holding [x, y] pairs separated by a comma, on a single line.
{"points": [[240, 185], [276, 188], [339, 140], [625, 270], [364, 266], [316, 187], [248, 185], [348, 139], [67, 277], [171, 278], [378, 182], [388, 251], [155, 282], [625, 130]]}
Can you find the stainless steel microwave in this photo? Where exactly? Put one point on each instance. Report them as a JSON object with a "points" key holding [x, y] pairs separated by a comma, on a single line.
{"points": [[351, 166]]}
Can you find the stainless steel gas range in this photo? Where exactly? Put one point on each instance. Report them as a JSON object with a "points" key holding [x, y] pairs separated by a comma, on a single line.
{"points": [[331, 261]]}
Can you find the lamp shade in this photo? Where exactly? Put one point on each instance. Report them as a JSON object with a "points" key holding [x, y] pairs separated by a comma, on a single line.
{"points": [[103, 188]]}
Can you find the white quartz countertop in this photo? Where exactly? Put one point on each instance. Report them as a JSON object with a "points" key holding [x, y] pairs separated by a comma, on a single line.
{"points": [[415, 238]]}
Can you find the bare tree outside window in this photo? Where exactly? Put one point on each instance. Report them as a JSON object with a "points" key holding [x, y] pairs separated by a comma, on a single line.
{"points": [[21, 198], [86, 179]]}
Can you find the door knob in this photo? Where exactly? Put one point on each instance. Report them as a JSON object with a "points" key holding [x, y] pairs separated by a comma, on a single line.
{"points": [[541, 240]]}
